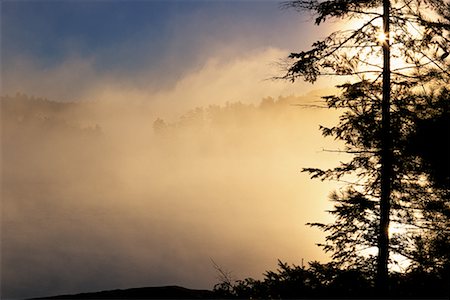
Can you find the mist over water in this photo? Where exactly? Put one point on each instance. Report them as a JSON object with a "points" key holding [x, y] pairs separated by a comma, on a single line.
{"points": [[101, 195], [97, 195]]}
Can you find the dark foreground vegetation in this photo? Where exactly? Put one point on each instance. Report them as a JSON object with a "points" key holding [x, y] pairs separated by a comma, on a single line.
{"points": [[320, 281], [395, 124]]}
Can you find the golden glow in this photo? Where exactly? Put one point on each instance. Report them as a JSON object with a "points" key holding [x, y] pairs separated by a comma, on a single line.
{"points": [[381, 37], [397, 229], [164, 202]]}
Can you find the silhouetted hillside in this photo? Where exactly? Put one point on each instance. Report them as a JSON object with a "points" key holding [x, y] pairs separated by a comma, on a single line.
{"points": [[163, 292]]}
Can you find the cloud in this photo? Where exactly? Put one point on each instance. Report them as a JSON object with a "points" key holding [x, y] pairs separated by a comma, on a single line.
{"points": [[247, 78], [219, 79], [64, 82], [97, 51]]}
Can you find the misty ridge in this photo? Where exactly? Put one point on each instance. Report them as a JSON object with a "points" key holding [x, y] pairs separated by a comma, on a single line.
{"points": [[100, 195]]}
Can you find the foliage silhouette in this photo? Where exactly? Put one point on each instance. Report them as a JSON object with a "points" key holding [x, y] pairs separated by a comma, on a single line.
{"points": [[430, 140], [384, 116], [322, 281]]}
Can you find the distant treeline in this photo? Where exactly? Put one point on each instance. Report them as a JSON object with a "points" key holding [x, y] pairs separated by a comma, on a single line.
{"points": [[22, 111], [232, 113]]}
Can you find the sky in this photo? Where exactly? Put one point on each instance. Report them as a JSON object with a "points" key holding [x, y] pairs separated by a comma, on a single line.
{"points": [[129, 208], [147, 46]]}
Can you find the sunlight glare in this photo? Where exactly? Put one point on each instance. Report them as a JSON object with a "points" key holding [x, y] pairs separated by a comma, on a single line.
{"points": [[381, 37], [397, 229]]}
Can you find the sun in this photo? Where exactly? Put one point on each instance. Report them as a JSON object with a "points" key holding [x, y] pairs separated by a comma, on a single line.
{"points": [[381, 37]]}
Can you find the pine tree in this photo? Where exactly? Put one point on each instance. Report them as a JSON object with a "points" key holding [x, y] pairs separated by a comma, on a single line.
{"points": [[394, 60]]}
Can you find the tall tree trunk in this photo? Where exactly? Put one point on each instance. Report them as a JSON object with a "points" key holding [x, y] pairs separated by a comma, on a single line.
{"points": [[386, 161]]}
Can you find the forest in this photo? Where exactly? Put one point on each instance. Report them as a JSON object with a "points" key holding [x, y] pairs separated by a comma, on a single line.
{"points": [[110, 187]]}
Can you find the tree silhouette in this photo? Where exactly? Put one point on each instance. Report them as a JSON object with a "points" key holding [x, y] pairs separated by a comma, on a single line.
{"points": [[396, 56], [430, 140]]}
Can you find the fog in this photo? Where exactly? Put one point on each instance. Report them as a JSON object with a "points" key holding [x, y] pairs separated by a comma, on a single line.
{"points": [[159, 148], [114, 194]]}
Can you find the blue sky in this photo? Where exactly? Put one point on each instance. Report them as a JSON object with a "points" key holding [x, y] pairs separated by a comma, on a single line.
{"points": [[149, 43], [120, 35]]}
